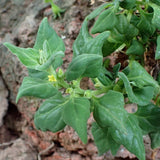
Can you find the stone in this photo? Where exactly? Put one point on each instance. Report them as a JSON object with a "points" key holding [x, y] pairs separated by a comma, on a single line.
{"points": [[3, 101], [20, 150]]}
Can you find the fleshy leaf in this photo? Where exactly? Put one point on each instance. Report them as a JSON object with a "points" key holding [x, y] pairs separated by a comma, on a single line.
{"points": [[76, 113], [84, 65], [49, 115], [136, 48], [109, 112], [98, 10], [28, 56], [155, 139], [123, 30], [148, 117], [156, 18], [157, 56], [137, 95], [133, 139], [86, 44], [106, 21], [31, 57], [145, 24], [104, 140], [38, 74], [127, 4], [45, 32], [36, 87], [140, 76], [109, 47]]}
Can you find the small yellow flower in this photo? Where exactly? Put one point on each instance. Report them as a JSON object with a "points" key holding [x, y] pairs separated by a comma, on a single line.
{"points": [[51, 78]]}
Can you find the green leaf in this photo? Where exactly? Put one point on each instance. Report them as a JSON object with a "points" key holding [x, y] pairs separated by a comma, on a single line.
{"points": [[148, 117], [136, 48], [156, 18], [37, 74], [155, 139], [140, 76], [116, 69], [109, 47], [156, 1], [45, 32], [157, 56], [145, 25], [137, 95], [88, 65], [31, 57], [128, 4], [109, 112], [36, 87], [106, 21], [133, 139], [28, 56], [76, 113], [104, 140], [49, 115], [98, 10], [123, 31], [86, 44]]}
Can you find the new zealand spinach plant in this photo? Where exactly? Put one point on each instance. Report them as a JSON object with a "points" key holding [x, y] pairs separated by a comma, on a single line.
{"points": [[130, 25]]}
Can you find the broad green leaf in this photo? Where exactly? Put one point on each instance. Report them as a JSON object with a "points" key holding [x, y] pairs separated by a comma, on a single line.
{"points": [[98, 10], [128, 4], [156, 1], [137, 95], [109, 112], [38, 74], [104, 140], [156, 17], [124, 27], [49, 115], [109, 47], [157, 56], [155, 139], [145, 25], [133, 139], [28, 56], [136, 48], [104, 79], [106, 21], [140, 76], [36, 87], [123, 30], [75, 114], [88, 65], [148, 117], [86, 44], [45, 32], [31, 58]]}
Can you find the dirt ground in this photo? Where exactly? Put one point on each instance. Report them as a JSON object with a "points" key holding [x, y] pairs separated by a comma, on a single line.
{"points": [[19, 140]]}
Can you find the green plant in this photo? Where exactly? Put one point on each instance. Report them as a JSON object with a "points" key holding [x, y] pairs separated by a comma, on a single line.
{"points": [[55, 9], [132, 26]]}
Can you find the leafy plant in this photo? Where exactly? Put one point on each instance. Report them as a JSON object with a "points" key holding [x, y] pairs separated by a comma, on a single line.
{"points": [[55, 9], [132, 26]]}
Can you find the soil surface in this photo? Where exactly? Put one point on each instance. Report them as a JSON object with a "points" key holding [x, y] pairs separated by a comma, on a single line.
{"points": [[19, 140]]}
